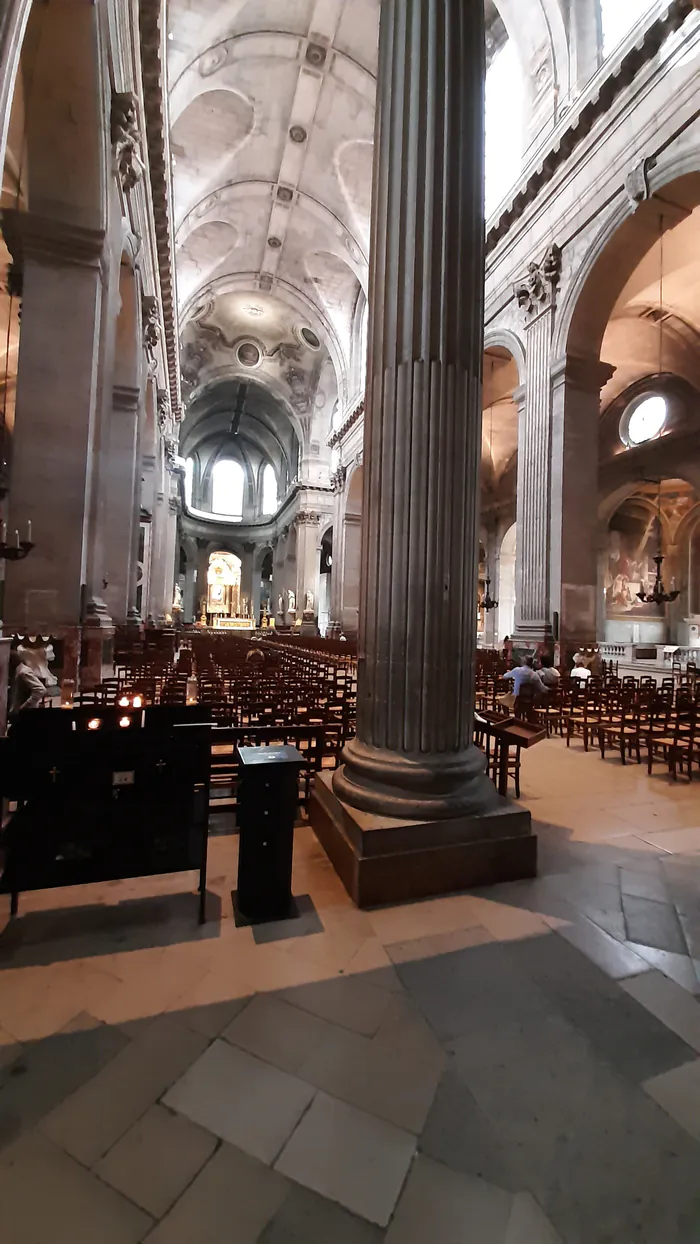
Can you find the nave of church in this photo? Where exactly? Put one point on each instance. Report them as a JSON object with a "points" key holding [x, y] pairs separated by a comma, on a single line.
{"points": [[350, 598]]}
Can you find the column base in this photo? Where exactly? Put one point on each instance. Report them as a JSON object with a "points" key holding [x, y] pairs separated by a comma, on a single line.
{"points": [[97, 614], [433, 787], [532, 639], [382, 859]]}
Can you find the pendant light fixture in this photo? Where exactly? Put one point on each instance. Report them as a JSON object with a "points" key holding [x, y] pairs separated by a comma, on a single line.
{"points": [[658, 595]]}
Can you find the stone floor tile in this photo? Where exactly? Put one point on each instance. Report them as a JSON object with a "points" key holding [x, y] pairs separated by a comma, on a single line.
{"points": [[653, 924], [645, 884], [472, 989], [156, 1160], [670, 1003], [396, 1084], [630, 1039], [676, 840], [598, 1155], [306, 1218], [350, 1157], [678, 1093], [678, 968], [36, 1002], [445, 1207], [611, 956], [407, 1030], [279, 1033], [374, 965], [212, 1018], [507, 922], [10, 1049], [48, 1198], [245, 1101], [90, 1122], [347, 1001], [49, 1071], [528, 1225], [438, 944], [458, 1134], [230, 1202], [425, 919]]}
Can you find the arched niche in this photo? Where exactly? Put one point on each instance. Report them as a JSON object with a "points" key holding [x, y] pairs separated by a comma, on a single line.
{"points": [[616, 253]]}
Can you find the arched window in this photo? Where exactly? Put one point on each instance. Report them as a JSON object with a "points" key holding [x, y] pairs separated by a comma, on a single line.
{"points": [[504, 124], [269, 490], [618, 18], [189, 480], [227, 488]]}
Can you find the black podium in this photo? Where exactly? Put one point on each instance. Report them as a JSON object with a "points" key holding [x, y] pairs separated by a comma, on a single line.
{"points": [[268, 796]]}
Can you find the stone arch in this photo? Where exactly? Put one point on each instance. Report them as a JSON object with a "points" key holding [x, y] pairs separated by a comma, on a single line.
{"points": [[621, 243], [508, 340]]}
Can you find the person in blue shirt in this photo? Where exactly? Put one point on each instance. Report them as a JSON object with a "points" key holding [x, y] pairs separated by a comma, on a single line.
{"points": [[521, 674]]}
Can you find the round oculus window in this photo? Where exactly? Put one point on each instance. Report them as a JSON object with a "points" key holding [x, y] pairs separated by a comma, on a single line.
{"points": [[310, 339], [248, 354], [644, 419]]}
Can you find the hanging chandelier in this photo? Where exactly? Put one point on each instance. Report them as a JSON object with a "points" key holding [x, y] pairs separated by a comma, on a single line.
{"points": [[487, 601], [658, 594]]}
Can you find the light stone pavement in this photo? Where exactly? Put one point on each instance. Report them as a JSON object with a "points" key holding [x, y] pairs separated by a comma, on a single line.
{"points": [[520, 1065]]}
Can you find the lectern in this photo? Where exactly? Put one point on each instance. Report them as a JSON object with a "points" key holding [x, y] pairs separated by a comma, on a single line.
{"points": [[268, 795]]}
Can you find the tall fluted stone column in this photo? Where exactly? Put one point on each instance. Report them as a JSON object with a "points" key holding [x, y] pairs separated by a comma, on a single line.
{"points": [[413, 755]]}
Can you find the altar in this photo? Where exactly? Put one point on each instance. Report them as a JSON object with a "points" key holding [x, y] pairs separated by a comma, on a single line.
{"points": [[233, 624]]}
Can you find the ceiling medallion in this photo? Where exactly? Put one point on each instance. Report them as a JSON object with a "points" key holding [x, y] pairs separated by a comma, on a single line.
{"points": [[315, 55], [298, 134], [275, 243], [285, 194]]}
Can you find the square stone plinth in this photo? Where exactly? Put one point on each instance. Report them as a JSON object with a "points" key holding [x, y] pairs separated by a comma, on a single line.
{"points": [[383, 860]]}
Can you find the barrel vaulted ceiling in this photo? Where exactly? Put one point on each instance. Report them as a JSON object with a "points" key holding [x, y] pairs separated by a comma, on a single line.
{"points": [[272, 120]]}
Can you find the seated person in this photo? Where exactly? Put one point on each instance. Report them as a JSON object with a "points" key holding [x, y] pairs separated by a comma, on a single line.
{"points": [[580, 669], [523, 673], [26, 688], [255, 656], [548, 675]]}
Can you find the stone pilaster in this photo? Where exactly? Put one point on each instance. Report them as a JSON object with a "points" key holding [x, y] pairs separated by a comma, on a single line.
{"points": [[536, 296], [53, 449], [308, 565], [334, 624], [119, 518], [413, 755], [576, 384]]}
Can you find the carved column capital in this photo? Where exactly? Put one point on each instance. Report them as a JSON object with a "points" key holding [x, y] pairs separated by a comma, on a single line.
{"points": [[307, 518], [538, 289], [151, 324], [126, 139]]}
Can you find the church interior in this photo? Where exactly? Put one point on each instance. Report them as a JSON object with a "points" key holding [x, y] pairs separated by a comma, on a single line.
{"points": [[350, 600]]}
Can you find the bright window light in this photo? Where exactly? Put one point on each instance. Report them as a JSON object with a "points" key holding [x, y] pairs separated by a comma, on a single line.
{"points": [[227, 487], [619, 17], [269, 490], [645, 420], [504, 124]]}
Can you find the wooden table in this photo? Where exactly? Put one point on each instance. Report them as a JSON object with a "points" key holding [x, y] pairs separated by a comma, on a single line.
{"points": [[508, 732]]}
